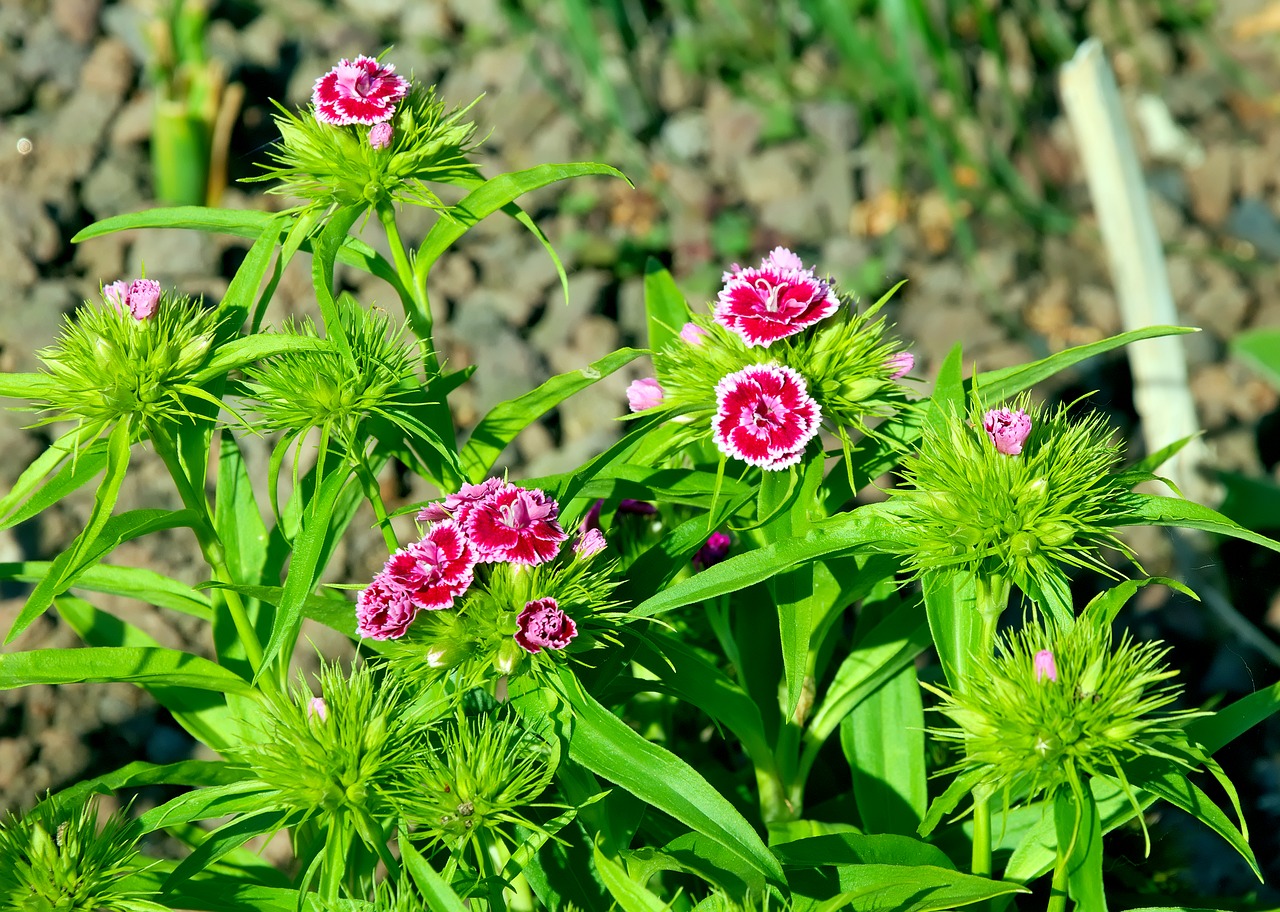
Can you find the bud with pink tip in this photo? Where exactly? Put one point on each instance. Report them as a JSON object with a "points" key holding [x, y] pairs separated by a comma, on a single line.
{"points": [[380, 135], [1045, 666], [1008, 429]]}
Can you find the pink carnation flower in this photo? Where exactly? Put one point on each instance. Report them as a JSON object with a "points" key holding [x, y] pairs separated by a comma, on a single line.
{"points": [[645, 393], [435, 570], [542, 625], [458, 506], [380, 135], [116, 294], [385, 610], [143, 298], [900, 365], [515, 525], [779, 299], [359, 91], [589, 544], [764, 416], [693, 334], [1008, 429]]}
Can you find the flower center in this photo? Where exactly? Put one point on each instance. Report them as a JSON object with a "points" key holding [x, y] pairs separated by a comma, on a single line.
{"points": [[364, 85], [767, 414], [770, 291]]}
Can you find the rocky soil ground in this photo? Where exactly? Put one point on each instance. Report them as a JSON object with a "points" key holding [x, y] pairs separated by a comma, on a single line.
{"points": [[711, 184]]}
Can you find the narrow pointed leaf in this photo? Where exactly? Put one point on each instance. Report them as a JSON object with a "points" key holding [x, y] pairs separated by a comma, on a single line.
{"points": [[104, 664]]}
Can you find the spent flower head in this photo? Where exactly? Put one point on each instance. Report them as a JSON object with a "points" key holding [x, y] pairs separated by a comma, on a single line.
{"points": [[60, 859], [113, 363], [974, 508]]}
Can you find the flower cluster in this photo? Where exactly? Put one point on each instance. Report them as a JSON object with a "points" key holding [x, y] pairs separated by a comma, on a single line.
{"points": [[371, 136], [489, 583], [1014, 493], [782, 355]]}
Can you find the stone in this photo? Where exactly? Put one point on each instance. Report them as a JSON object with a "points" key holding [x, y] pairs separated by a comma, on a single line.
{"points": [[1210, 186], [559, 319], [1098, 308], [684, 136], [171, 253], [733, 130], [1252, 221], [109, 71], [115, 185], [1223, 304]]}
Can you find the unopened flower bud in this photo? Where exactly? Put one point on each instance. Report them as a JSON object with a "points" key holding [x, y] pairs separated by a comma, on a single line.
{"points": [[380, 135], [143, 298], [1045, 666], [900, 365], [645, 393], [1007, 429], [318, 709], [693, 334]]}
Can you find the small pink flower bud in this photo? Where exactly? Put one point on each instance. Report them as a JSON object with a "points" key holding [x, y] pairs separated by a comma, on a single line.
{"points": [[380, 135], [1045, 666], [645, 393], [317, 708], [116, 293], [143, 298], [589, 544], [693, 334], [900, 365], [1007, 429]]}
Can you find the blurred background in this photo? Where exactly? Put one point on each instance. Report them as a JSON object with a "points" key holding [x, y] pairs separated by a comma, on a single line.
{"points": [[880, 139]]}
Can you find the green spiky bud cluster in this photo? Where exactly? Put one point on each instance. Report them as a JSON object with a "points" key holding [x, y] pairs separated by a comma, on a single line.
{"points": [[1052, 706], [57, 859], [108, 366], [479, 771], [1021, 517], [329, 166], [321, 387]]}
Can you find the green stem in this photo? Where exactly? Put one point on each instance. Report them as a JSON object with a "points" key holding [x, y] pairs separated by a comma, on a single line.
{"points": [[417, 308], [374, 495], [981, 835], [210, 544], [485, 864], [1058, 889]]}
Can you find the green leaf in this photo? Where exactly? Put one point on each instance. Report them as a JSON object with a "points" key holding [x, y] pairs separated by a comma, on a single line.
{"points": [[868, 528], [899, 888], [507, 419], [25, 386], [103, 664], [947, 400], [76, 556], [1216, 731], [235, 797], [947, 802], [245, 223], [703, 857], [1080, 833], [304, 567], [238, 523], [131, 582], [225, 838], [950, 600], [239, 297], [664, 305], [195, 773], [72, 474], [998, 385], [857, 849], [883, 740], [631, 896], [492, 195], [610, 748], [1251, 502], [248, 349], [438, 894], [1261, 349], [1107, 604], [1171, 511]]}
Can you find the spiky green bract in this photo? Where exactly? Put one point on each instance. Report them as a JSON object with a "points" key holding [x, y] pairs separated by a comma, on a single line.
{"points": [[844, 360], [345, 763], [1031, 736], [108, 366], [477, 774], [474, 642], [333, 392], [1021, 518], [59, 859], [332, 167]]}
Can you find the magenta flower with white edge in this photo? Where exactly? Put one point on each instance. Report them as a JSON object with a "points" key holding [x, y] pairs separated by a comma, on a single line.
{"points": [[589, 544], [645, 393], [435, 570], [713, 551], [1008, 429], [1045, 666], [385, 610], [764, 416], [900, 365], [542, 625], [380, 135], [779, 299], [515, 525], [359, 91], [693, 334], [458, 506]]}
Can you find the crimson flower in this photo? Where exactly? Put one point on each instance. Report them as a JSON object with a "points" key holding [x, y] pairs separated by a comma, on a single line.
{"points": [[385, 610], [542, 625], [458, 506], [515, 525], [779, 299], [359, 91], [435, 570], [764, 416]]}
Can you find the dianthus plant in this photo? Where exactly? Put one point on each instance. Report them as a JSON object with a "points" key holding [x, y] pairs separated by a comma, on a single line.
{"points": [[615, 685]]}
